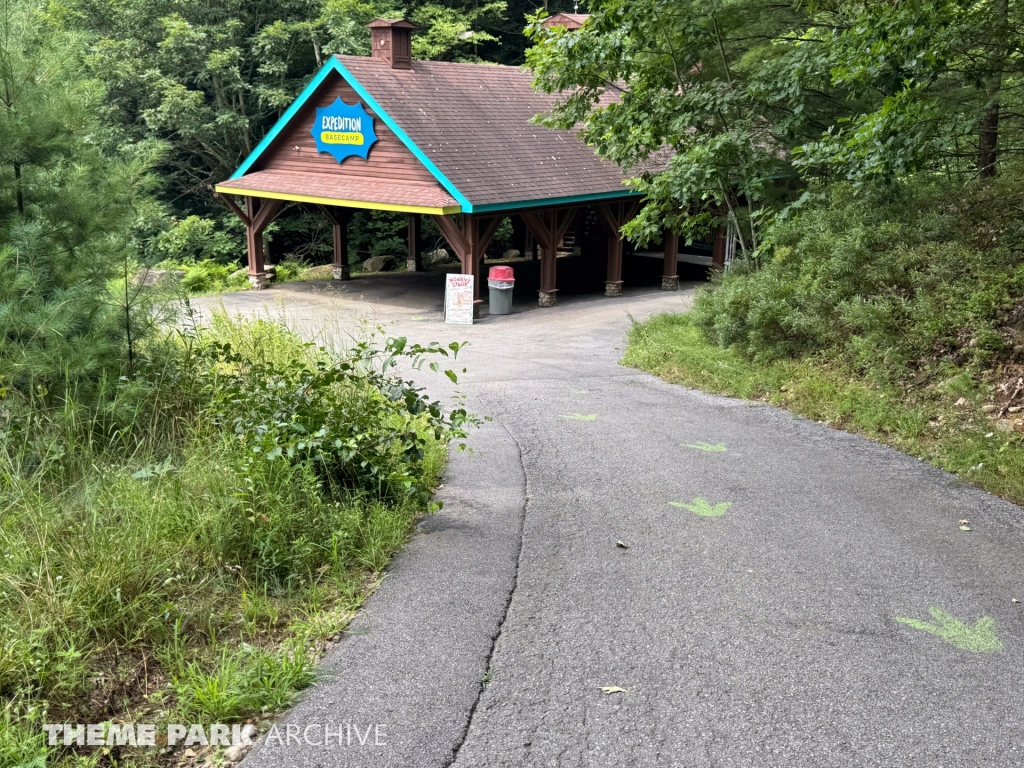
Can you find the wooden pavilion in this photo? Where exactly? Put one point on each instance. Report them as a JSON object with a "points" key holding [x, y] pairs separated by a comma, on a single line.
{"points": [[448, 140]]}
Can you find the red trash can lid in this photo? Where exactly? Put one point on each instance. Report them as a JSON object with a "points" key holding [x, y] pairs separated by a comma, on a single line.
{"points": [[500, 273]]}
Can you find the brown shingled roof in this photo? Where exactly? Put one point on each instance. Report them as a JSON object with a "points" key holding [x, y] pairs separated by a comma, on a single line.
{"points": [[567, 20], [473, 122], [327, 188]]}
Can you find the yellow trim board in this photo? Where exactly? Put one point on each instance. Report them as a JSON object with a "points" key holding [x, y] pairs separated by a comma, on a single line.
{"points": [[226, 190]]}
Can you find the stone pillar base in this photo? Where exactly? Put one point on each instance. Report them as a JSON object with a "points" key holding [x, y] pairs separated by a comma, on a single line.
{"points": [[411, 265], [547, 298], [259, 281], [613, 288], [340, 273], [670, 283]]}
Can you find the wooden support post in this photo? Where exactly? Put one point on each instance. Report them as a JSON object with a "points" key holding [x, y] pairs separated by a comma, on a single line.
{"points": [[613, 279], [614, 216], [471, 264], [548, 294], [469, 239], [718, 248], [339, 218], [670, 277], [548, 227], [339, 267], [257, 216], [258, 276], [414, 263]]}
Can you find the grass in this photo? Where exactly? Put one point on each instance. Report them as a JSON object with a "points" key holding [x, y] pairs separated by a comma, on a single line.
{"points": [[941, 423], [185, 549]]}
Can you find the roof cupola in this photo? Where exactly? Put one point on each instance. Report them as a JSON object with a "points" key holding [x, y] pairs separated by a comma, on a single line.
{"points": [[392, 41]]}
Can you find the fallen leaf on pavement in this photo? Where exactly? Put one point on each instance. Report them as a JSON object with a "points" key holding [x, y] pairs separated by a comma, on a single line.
{"points": [[981, 638], [622, 544], [703, 508], [582, 416], [610, 689], [709, 447]]}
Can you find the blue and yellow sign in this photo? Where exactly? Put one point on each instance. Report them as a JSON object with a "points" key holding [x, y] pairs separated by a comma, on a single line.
{"points": [[343, 130]]}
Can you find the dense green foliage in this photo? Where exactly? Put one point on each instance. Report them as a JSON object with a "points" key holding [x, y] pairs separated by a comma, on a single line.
{"points": [[209, 519], [890, 286], [66, 208], [725, 104], [185, 516], [863, 157]]}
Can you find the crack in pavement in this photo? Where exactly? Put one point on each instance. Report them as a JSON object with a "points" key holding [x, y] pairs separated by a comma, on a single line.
{"points": [[508, 602]]}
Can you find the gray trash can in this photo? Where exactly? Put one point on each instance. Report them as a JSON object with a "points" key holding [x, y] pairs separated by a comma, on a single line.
{"points": [[500, 282]]}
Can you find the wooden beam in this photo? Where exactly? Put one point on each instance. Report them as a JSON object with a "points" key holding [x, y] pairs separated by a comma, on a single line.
{"points": [[414, 262], [487, 234], [671, 254], [538, 227], [229, 201], [452, 232], [718, 248], [471, 261], [266, 214], [339, 218], [562, 226], [614, 216], [254, 245]]}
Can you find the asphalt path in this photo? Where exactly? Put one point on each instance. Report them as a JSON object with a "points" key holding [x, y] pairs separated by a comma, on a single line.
{"points": [[753, 617]]}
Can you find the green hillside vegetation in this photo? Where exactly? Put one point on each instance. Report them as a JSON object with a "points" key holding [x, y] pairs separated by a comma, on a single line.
{"points": [[864, 160], [903, 321], [188, 512]]}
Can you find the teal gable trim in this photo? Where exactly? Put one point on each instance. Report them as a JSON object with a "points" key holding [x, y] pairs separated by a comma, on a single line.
{"points": [[336, 66], [594, 198], [461, 199], [283, 121]]}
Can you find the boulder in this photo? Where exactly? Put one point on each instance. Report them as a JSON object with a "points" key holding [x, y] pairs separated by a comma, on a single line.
{"points": [[376, 263], [436, 258], [511, 253]]}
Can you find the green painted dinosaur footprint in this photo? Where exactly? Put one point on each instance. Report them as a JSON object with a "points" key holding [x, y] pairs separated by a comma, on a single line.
{"points": [[709, 447], [981, 638], [703, 507]]}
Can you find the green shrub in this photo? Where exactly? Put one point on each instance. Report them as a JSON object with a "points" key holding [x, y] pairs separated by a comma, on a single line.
{"points": [[289, 269], [886, 284], [198, 516], [206, 276], [196, 239]]}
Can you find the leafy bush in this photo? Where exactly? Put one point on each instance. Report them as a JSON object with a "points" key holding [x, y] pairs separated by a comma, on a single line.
{"points": [[888, 284], [289, 269], [197, 516], [66, 208], [197, 239], [206, 276]]}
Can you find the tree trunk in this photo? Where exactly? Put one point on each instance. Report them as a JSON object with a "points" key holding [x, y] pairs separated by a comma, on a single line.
{"points": [[17, 188], [988, 140], [988, 135]]}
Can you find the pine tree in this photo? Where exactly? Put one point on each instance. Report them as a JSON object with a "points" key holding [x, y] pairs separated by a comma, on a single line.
{"points": [[65, 212]]}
